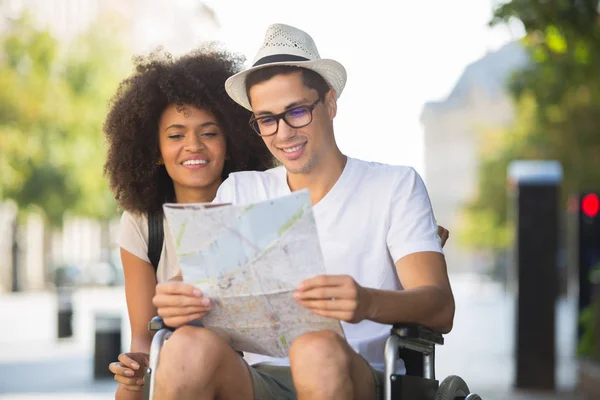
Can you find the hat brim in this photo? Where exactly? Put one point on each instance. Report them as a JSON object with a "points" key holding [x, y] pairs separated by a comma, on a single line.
{"points": [[332, 71]]}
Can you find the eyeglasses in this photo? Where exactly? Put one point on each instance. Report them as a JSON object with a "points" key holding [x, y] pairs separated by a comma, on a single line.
{"points": [[297, 117]]}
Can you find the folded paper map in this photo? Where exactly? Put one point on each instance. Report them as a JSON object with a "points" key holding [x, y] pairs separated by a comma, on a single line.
{"points": [[249, 259]]}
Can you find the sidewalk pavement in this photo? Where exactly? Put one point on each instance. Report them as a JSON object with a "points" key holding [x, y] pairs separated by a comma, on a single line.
{"points": [[35, 366]]}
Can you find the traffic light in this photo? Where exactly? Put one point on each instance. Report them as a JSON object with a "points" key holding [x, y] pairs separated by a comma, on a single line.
{"points": [[589, 244], [589, 205]]}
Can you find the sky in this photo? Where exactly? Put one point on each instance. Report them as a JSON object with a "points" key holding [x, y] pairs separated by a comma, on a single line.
{"points": [[398, 55]]}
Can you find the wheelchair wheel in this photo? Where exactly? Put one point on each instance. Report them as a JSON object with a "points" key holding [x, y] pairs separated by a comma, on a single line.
{"points": [[451, 388]]}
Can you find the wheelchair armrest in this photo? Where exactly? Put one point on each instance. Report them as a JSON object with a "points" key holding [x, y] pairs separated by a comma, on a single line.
{"points": [[157, 323], [418, 332]]}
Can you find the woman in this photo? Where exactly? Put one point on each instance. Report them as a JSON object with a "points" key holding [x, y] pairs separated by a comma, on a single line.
{"points": [[173, 136]]}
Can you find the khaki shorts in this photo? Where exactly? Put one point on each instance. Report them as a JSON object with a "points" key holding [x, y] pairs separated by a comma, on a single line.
{"points": [[274, 382]]}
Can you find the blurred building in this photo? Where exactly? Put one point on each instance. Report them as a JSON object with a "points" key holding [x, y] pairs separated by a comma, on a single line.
{"points": [[452, 129], [177, 26]]}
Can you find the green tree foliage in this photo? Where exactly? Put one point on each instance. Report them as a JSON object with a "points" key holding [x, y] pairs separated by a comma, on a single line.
{"points": [[53, 99], [557, 98]]}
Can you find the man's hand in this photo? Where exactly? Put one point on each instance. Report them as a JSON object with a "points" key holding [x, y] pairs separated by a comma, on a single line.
{"points": [[334, 296], [179, 303]]}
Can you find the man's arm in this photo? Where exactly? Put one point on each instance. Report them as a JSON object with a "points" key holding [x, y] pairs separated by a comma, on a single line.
{"points": [[427, 298]]}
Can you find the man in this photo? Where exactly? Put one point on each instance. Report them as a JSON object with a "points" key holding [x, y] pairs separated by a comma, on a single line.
{"points": [[378, 235]]}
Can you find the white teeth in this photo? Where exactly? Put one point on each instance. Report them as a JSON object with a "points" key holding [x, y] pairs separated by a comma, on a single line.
{"points": [[195, 162], [292, 149]]}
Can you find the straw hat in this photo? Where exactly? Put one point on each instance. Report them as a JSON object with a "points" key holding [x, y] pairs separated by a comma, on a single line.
{"points": [[286, 45]]}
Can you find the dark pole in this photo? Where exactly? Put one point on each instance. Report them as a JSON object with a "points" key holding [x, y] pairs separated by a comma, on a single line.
{"points": [[537, 188], [588, 249]]}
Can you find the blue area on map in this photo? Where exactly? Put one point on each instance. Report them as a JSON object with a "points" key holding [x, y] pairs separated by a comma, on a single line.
{"points": [[257, 226]]}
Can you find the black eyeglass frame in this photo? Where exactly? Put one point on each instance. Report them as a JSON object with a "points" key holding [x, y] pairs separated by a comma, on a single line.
{"points": [[253, 121]]}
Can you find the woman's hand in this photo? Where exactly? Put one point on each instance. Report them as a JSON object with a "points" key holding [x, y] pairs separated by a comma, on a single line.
{"points": [[444, 234], [129, 370]]}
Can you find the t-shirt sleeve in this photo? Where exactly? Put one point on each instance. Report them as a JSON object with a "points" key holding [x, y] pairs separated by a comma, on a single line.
{"points": [[133, 237], [226, 192], [413, 227]]}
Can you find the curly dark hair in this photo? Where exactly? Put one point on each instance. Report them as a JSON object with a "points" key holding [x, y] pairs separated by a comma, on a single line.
{"points": [[131, 127]]}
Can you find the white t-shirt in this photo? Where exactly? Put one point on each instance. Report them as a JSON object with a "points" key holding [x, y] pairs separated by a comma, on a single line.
{"points": [[374, 215], [133, 237]]}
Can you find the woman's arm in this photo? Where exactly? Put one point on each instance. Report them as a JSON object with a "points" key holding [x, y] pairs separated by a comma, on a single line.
{"points": [[140, 284]]}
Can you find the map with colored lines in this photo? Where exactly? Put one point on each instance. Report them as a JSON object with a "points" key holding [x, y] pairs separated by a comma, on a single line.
{"points": [[249, 259]]}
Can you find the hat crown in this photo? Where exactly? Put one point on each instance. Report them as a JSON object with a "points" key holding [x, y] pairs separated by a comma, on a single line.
{"points": [[285, 39], [286, 45]]}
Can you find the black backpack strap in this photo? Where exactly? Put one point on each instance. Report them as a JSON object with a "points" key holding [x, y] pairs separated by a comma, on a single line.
{"points": [[156, 237]]}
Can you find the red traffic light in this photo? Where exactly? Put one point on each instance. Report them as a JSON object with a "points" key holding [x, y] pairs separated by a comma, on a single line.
{"points": [[590, 205]]}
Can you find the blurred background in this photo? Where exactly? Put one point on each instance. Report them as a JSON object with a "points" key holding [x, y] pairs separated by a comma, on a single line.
{"points": [[459, 89]]}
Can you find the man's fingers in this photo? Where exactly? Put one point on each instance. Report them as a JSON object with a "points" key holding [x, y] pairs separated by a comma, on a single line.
{"points": [[174, 300], [337, 305], [177, 287], [176, 322], [327, 292], [170, 312], [323, 281], [338, 315]]}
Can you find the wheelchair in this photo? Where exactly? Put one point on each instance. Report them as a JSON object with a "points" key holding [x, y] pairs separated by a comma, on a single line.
{"points": [[413, 343]]}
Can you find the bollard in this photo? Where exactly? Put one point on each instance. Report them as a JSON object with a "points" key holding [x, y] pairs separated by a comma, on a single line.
{"points": [[536, 186], [65, 312], [107, 343]]}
